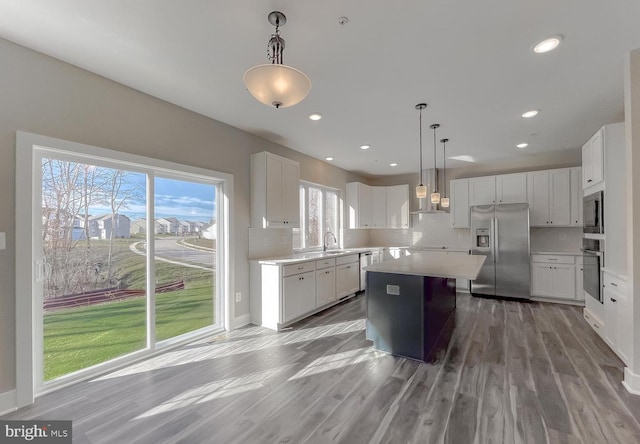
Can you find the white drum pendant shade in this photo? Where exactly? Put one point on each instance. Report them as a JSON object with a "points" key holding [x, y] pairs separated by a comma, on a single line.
{"points": [[277, 85], [421, 192]]}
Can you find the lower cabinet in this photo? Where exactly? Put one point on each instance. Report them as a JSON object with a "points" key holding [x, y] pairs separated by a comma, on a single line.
{"points": [[579, 279], [553, 276], [618, 322], [325, 286], [298, 295], [347, 275]]}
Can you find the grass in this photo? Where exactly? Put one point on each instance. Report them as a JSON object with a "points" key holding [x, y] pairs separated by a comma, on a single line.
{"points": [[78, 338]]}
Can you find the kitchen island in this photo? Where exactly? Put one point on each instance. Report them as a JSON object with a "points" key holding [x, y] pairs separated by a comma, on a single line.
{"points": [[411, 301]]}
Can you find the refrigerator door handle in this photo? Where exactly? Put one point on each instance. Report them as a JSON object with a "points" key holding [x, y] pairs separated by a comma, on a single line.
{"points": [[496, 249]]}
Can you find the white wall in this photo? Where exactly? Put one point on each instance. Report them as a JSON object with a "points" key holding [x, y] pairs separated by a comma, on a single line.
{"points": [[45, 96]]}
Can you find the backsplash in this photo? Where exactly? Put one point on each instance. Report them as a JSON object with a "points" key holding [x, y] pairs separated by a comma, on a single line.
{"points": [[270, 242], [556, 239], [356, 238]]}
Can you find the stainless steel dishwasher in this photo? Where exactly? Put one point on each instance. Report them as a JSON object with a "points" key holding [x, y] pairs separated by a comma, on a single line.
{"points": [[365, 260]]}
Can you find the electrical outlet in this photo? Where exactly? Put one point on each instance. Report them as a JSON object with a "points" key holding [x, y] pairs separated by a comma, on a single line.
{"points": [[238, 297]]}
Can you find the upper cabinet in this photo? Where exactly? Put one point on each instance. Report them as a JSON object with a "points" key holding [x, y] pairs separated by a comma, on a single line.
{"points": [[460, 203], [482, 190], [397, 206], [511, 188], [576, 197], [549, 197], [593, 161], [275, 191], [377, 207]]}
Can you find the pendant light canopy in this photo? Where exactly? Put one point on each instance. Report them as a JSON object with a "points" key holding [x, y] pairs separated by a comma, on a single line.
{"points": [[421, 190], [444, 202], [435, 196], [274, 83]]}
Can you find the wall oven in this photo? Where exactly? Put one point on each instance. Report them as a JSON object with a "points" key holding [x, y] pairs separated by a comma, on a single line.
{"points": [[593, 261], [593, 217]]}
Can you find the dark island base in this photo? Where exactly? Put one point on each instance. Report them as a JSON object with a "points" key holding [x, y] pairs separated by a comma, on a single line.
{"points": [[410, 316]]}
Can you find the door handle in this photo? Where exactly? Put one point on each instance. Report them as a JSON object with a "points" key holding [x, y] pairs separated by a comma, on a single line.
{"points": [[495, 242]]}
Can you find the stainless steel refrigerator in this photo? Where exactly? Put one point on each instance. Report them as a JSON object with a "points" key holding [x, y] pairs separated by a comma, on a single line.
{"points": [[501, 232]]}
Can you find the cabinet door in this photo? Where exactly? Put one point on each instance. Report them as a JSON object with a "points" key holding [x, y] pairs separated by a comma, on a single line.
{"points": [[274, 191], [291, 194], [511, 188], [460, 203], [541, 280], [325, 286], [298, 295], [482, 190], [611, 316], [560, 197], [365, 206], [579, 282], [397, 206], [625, 327], [564, 281], [347, 279], [538, 197], [587, 165], [379, 207], [597, 158], [576, 197]]}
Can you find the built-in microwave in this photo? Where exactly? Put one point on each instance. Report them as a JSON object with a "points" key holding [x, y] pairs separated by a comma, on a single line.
{"points": [[593, 218]]}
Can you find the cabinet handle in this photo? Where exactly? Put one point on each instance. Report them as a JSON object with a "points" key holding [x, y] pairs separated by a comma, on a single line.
{"points": [[300, 268], [551, 222], [613, 284], [613, 300], [589, 181], [553, 259]]}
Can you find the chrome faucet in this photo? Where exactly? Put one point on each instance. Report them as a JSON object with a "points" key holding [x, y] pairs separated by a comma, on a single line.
{"points": [[324, 240]]}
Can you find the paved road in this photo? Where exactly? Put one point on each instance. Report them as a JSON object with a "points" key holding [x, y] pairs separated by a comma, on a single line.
{"points": [[170, 250]]}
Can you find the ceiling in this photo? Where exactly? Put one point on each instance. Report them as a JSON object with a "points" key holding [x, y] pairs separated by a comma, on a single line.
{"points": [[472, 62]]}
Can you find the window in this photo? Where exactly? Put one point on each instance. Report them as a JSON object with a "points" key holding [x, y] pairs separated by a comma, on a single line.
{"points": [[319, 213]]}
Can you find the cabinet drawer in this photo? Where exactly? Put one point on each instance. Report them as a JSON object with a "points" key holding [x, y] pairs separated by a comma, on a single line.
{"points": [[347, 259], [324, 263], [614, 282], [302, 267], [553, 259]]}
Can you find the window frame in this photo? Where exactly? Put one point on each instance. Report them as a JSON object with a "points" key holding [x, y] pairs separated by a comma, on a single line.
{"points": [[304, 215]]}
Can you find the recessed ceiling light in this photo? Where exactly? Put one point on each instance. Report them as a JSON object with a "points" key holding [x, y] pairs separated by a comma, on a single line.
{"points": [[315, 116], [328, 158], [529, 114], [522, 145], [365, 147], [547, 44], [393, 164]]}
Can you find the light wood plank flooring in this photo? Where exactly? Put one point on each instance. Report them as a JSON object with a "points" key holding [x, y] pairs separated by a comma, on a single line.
{"points": [[512, 372]]}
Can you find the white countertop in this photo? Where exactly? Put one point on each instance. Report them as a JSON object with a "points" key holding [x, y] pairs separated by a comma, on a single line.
{"points": [[448, 266], [310, 256], [559, 253]]}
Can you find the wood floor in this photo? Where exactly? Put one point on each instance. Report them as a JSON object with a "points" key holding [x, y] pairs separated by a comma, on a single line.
{"points": [[513, 372]]}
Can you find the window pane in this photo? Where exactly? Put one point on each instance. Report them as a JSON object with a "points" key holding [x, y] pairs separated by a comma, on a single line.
{"points": [[331, 217], [314, 220], [94, 297], [298, 241], [185, 246]]}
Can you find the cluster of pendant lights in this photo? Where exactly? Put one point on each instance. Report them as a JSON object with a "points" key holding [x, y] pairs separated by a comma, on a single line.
{"points": [[421, 190]]}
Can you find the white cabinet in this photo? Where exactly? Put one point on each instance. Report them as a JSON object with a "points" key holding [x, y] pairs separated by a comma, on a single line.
{"points": [[397, 206], [298, 295], [482, 190], [576, 197], [347, 275], [553, 276], [460, 203], [618, 322], [549, 197], [359, 205], [275, 191], [379, 207], [325, 286], [593, 161], [579, 279], [511, 188]]}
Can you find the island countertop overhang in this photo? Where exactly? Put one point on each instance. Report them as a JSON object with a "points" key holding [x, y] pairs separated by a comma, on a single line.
{"points": [[425, 264]]}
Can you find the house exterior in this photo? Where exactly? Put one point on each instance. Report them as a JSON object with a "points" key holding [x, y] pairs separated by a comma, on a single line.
{"points": [[167, 225], [185, 227], [138, 226], [210, 232], [109, 227]]}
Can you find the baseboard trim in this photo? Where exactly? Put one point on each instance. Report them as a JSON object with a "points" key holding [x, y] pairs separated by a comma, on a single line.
{"points": [[8, 402], [631, 381], [241, 321]]}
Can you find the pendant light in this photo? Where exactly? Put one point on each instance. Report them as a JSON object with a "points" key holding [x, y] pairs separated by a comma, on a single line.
{"points": [[444, 202], [435, 196], [421, 190], [274, 83]]}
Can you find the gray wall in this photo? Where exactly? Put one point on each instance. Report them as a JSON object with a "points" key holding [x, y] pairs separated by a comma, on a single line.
{"points": [[45, 96]]}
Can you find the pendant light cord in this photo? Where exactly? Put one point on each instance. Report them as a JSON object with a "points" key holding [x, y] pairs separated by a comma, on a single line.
{"points": [[444, 160], [435, 165], [421, 182]]}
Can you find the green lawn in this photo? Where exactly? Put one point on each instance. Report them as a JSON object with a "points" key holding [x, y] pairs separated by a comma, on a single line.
{"points": [[81, 337]]}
